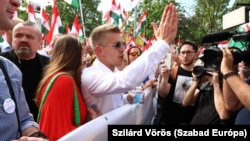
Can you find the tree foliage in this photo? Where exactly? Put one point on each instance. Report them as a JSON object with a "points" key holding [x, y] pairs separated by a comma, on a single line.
{"points": [[206, 18], [91, 17], [154, 13]]}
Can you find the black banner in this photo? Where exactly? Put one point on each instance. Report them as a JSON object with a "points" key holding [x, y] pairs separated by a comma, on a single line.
{"points": [[178, 133]]}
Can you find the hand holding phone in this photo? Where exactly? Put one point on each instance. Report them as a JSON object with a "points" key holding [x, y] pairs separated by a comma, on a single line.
{"points": [[168, 60]]}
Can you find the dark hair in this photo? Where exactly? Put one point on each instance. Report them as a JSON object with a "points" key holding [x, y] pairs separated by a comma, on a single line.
{"points": [[195, 47]]}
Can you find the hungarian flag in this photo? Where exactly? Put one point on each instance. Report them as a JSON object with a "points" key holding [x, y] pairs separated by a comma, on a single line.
{"points": [[141, 22], [77, 28], [74, 3], [56, 24], [31, 13], [80, 36], [44, 22], [115, 13]]}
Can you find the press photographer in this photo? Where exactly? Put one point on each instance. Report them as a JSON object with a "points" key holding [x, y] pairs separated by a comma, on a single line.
{"points": [[212, 57]]}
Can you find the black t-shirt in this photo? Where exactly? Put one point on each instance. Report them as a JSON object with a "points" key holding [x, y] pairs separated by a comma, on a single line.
{"points": [[206, 113], [32, 73], [173, 110]]}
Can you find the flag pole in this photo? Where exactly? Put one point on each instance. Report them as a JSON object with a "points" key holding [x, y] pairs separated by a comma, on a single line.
{"points": [[84, 34], [124, 22], [135, 21]]}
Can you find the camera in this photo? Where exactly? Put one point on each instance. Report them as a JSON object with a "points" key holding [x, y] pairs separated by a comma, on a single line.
{"points": [[199, 71], [212, 57]]}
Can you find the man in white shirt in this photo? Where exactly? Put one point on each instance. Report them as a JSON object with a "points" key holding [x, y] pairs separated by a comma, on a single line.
{"points": [[103, 84]]}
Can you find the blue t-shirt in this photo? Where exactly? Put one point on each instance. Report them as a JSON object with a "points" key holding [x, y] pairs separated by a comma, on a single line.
{"points": [[243, 117]]}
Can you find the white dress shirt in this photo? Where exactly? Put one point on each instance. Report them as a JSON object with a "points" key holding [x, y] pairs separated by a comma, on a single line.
{"points": [[104, 89]]}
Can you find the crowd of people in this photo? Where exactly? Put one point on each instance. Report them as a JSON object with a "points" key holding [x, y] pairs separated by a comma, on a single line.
{"points": [[49, 94]]}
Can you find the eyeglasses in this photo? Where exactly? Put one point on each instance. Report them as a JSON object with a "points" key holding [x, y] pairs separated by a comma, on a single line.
{"points": [[186, 52], [117, 44], [135, 54]]}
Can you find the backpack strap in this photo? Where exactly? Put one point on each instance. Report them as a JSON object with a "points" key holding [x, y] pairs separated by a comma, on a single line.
{"points": [[77, 119]]}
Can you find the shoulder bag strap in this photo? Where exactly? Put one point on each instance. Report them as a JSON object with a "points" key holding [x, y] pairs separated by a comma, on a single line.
{"points": [[7, 78], [76, 102]]}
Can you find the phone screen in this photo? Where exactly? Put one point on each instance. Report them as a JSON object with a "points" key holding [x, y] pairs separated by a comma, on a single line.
{"points": [[168, 60]]}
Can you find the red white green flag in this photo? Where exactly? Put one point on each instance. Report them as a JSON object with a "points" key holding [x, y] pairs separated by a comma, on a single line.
{"points": [[31, 13], [45, 28], [56, 24], [115, 13], [141, 22], [77, 28], [80, 32]]}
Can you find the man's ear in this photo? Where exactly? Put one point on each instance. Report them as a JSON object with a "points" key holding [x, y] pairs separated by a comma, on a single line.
{"points": [[98, 49]]}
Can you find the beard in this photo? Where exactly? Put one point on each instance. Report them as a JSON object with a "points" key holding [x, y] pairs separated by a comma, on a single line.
{"points": [[187, 63], [23, 51]]}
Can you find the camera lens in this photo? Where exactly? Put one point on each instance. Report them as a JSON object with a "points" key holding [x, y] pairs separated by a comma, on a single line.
{"points": [[198, 70]]}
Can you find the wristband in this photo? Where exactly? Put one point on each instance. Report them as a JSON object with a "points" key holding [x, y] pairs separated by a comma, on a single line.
{"points": [[225, 76]]}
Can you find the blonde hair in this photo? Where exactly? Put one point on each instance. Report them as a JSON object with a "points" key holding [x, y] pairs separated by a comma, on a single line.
{"points": [[98, 35]]}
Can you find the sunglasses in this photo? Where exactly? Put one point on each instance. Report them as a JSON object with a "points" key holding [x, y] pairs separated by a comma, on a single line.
{"points": [[117, 44], [135, 54]]}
